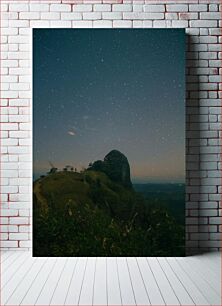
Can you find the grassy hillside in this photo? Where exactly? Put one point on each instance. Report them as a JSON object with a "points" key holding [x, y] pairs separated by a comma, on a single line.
{"points": [[87, 214]]}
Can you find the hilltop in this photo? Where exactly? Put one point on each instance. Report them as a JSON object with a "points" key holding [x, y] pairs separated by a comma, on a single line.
{"points": [[96, 212], [94, 188]]}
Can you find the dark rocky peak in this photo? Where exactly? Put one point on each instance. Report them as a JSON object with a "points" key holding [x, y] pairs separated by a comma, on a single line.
{"points": [[116, 167]]}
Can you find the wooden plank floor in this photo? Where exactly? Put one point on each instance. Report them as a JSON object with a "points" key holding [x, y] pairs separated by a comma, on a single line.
{"points": [[192, 280]]}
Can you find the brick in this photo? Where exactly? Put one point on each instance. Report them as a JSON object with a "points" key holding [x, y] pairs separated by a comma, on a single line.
{"points": [[3, 118], [102, 7], [214, 110], [13, 47], [138, 23], [192, 228], [216, 31], [215, 220], [19, 7], [18, 150], [214, 197], [4, 7], [29, 15], [9, 63], [147, 24], [9, 228], [208, 212], [20, 63], [216, 16], [9, 173], [9, 142], [9, 212], [180, 23], [92, 15], [39, 24], [203, 220], [122, 23], [19, 102], [9, 126], [25, 157], [4, 23], [214, 173], [25, 244], [102, 23], [162, 23], [210, 157], [71, 16], [209, 165], [199, 236], [9, 31], [18, 23], [215, 63], [197, 7], [18, 134], [137, 7], [60, 24], [82, 8], [203, 23], [112, 15], [214, 47], [154, 8], [12, 158], [190, 221], [60, 8], [24, 212], [171, 16], [213, 7], [37, 7], [187, 16], [18, 220], [4, 236], [209, 228], [177, 8], [9, 94], [8, 244], [19, 118], [3, 220], [19, 71], [24, 229], [4, 71], [50, 16], [19, 86], [122, 7], [82, 24], [18, 236], [215, 236], [4, 182], [208, 205]]}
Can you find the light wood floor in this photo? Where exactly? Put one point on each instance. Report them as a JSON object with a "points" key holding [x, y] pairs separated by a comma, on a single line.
{"points": [[110, 281]]}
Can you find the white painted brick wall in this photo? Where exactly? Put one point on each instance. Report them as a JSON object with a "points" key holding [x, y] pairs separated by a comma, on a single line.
{"points": [[201, 18]]}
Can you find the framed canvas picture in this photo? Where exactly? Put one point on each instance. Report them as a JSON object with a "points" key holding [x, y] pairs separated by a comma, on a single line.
{"points": [[109, 142]]}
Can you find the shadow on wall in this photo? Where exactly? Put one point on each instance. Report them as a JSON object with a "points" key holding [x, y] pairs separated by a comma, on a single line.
{"points": [[193, 142]]}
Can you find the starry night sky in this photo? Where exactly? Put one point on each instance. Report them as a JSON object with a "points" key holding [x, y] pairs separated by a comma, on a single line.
{"points": [[103, 89]]}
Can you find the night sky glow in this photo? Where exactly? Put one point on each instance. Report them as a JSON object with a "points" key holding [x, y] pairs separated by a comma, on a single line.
{"points": [[101, 89]]}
